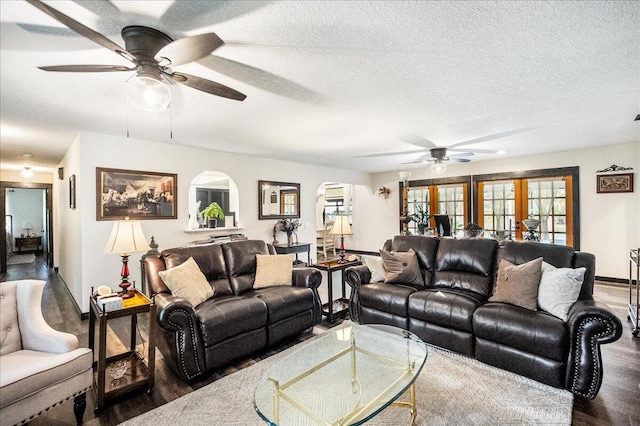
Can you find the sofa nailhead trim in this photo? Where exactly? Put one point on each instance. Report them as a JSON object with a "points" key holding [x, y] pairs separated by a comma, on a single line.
{"points": [[594, 354], [182, 338]]}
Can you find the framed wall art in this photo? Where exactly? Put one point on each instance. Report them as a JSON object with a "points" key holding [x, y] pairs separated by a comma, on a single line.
{"points": [[620, 182], [136, 194], [72, 192]]}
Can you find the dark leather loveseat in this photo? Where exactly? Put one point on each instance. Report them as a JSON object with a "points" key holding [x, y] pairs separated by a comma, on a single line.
{"points": [[452, 310], [238, 320]]}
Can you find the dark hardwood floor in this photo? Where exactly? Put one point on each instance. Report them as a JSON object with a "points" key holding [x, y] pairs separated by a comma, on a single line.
{"points": [[618, 402]]}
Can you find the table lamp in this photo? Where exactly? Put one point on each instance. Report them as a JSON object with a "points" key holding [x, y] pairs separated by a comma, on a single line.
{"points": [[126, 238], [28, 225], [341, 227]]}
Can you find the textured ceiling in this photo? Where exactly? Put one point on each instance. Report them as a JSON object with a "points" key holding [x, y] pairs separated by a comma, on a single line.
{"points": [[328, 81]]}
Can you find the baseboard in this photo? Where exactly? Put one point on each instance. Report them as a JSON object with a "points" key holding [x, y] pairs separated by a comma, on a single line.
{"points": [[614, 280], [371, 253], [83, 316]]}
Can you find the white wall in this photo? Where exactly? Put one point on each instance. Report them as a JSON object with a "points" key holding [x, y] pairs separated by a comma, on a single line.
{"points": [[610, 223], [80, 238], [25, 205]]}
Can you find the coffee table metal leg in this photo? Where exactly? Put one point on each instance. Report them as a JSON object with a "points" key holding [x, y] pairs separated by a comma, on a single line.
{"points": [[412, 401], [276, 400]]}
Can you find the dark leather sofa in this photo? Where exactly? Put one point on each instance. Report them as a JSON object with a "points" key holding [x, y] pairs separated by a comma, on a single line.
{"points": [[238, 320], [452, 311]]}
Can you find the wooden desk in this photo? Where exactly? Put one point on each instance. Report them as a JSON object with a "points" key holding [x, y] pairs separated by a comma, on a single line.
{"points": [[28, 244], [342, 304], [295, 248]]}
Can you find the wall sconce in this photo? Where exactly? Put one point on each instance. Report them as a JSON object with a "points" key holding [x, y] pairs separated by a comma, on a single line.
{"points": [[383, 191]]}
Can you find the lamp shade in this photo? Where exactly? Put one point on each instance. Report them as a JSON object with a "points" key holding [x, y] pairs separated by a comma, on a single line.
{"points": [[27, 225], [341, 226], [126, 237], [404, 176]]}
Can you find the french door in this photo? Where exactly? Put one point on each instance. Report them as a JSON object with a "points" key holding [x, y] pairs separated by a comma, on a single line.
{"points": [[504, 204], [446, 199]]}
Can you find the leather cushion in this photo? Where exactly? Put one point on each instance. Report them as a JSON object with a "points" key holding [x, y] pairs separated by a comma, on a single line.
{"points": [[466, 264], [241, 262], [391, 298], [210, 260], [222, 318], [425, 248], [534, 332], [284, 302], [450, 308]]}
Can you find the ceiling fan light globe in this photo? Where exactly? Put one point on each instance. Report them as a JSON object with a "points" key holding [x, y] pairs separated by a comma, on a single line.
{"points": [[27, 172], [438, 168], [148, 93]]}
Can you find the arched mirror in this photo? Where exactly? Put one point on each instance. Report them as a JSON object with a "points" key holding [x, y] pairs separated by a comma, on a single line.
{"points": [[213, 201]]}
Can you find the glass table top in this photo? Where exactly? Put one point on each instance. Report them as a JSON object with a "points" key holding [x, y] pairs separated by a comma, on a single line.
{"points": [[344, 377]]}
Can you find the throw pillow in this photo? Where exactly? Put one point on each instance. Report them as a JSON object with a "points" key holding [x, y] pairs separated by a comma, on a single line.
{"points": [[401, 267], [273, 269], [518, 284], [187, 282], [559, 289], [374, 263]]}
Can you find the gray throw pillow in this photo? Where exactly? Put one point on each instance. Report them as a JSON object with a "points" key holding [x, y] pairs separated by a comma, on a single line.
{"points": [[401, 267], [559, 289], [518, 284]]}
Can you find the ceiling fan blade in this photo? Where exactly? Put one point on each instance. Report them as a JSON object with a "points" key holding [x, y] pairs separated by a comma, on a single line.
{"points": [[86, 68], [462, 154], [82, 30], [475, 151], [491, 137], [418, 141], [207, 86], [189, 49], [458, 160], [388, 154]]}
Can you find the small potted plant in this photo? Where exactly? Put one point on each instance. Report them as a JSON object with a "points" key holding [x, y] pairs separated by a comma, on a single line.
{"points": [[421, 218], [212, 213]]}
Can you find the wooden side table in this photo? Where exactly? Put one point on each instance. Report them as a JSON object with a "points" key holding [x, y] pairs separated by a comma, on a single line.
{"points": [[339, 307], [140, 374]]}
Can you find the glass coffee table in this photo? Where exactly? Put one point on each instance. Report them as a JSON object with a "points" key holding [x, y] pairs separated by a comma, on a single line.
{"points": [[345, 377]]}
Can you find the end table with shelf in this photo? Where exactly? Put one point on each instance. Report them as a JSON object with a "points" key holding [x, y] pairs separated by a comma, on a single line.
{"points": [[338, 308], [140, 372]]}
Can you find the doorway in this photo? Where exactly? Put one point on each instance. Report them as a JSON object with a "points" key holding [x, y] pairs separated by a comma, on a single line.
{"points": [[25, 214]]}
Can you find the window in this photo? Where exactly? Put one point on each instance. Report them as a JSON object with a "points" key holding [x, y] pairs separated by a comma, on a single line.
{"points": [[504, 200], [447, 196]]}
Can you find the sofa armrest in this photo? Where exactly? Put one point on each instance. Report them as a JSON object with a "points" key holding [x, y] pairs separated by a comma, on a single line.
{"points": [[310, 278], [356, 277], [591, 324], [307, 277], [177, 318]]}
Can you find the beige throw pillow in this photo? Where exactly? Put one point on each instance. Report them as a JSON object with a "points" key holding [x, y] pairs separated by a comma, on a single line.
{"points": [[273, 269], [401, 267], [187, 282], [518, 284]]}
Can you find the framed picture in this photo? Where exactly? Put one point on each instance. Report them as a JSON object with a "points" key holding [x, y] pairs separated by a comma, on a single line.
{"points": [[72, 192], [135, 194], [620, 182]]}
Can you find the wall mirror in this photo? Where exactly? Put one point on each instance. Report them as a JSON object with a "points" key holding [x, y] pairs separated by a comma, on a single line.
{"points": [[278, 200]]}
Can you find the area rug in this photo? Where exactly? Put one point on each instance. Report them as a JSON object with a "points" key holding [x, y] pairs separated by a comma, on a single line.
{"points": [[451, 389], [18, 259]]}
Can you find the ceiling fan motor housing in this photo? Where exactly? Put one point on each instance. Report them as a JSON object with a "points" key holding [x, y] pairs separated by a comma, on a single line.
{"points": [[144, 42], [438, 153]]}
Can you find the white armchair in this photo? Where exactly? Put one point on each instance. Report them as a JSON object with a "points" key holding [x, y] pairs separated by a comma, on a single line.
{"points": [[39, 366]]}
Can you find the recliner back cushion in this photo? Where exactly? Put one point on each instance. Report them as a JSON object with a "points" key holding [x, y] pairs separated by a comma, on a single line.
{"points": [[10, 340], [425, 248], [209, 258], [240, 257], [466, 264]]}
